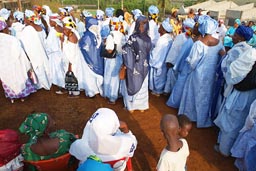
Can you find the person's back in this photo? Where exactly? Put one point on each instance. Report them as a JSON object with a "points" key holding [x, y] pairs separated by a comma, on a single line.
{"points": [[174, 155], [44, 144]]}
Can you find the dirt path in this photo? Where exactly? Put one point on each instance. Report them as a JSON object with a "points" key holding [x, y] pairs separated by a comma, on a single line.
{"points": [[72, 114]]}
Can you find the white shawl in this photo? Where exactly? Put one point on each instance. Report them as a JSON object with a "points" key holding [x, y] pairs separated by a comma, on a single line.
{"points": [[14, 63]]}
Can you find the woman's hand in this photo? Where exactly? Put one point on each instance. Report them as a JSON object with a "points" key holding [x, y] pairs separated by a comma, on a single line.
{"points": [[123, 127], [222, 52]]}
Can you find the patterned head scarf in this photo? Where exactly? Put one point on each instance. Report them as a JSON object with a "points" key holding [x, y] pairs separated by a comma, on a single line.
{"points": [[136, 13], [245, 32], [69, 23], [63, 12], [117, 24], [18, 15], [31, 16], [166, 25], [207, 25], [5, 13], [109, 12], [37, 9], [3, 25], [34, 125]]}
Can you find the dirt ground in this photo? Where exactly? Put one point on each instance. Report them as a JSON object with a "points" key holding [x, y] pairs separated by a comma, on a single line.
{"points": [[72, 114]]}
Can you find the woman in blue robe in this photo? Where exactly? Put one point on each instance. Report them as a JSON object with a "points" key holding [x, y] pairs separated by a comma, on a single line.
{"points": [[90, 48], [135, 57], [198, 90], [236, 104]]}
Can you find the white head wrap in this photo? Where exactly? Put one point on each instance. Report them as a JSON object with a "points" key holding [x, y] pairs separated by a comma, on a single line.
{"points": [[86, 13], [56, 18], [5, 13], [166, 25], [47, 9], [99, 14], [136, 13], [102, 137]]}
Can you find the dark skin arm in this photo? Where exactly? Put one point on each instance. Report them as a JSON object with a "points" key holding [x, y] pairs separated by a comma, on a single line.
{"points": [[72, 38], [123, 127]]}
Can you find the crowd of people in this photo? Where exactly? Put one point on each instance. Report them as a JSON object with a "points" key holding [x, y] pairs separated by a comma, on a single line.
{"points": [[207, 70]]}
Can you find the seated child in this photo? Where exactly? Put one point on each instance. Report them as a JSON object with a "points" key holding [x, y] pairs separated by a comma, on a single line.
{"points": [[185, 125], [174, 155]]}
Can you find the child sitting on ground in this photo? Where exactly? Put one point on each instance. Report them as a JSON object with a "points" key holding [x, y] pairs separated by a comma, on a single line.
{"points": [[185, 125], [174, 155]]}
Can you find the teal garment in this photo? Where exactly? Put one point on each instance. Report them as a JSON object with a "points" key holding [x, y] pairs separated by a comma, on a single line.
{"points": [[252, 41], [231, 31], [93, 165], [227, 39]]}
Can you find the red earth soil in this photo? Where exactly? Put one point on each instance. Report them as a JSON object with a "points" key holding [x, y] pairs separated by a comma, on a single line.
{"points": [[72, 113]]}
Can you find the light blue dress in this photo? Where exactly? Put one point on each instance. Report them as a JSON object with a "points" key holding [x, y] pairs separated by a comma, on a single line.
{"points": [[244, 150], [198, 90], [236, 104], [182, 68], [158, 69], [112, 67]]}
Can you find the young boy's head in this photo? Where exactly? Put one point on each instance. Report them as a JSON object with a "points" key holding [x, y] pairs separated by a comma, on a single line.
{"points": [[169, 125], [185, 125]]}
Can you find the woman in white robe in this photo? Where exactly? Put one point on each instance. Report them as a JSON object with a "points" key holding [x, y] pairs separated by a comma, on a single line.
{"points": [[87, 79], [35, 51], [14, 67], [106, 137], [57, 60]]}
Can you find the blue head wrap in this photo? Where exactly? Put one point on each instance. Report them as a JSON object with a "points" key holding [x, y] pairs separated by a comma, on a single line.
{"points": [[166, 25], [109, 12], [245, 32], [153, 10], [105, 30], [91, 21], [207, 25]]}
